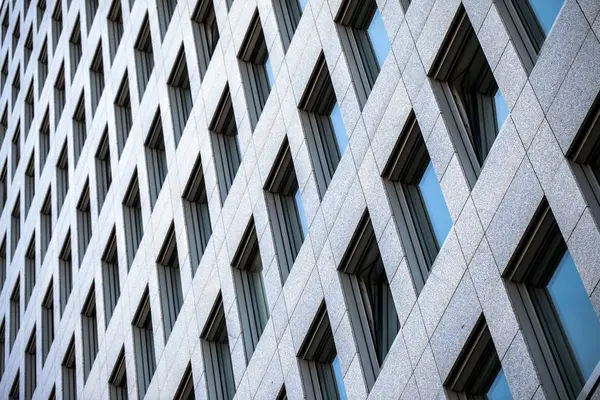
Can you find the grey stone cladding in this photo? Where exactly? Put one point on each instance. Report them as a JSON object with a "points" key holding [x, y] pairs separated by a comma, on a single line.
{"points": [[81, 70]]}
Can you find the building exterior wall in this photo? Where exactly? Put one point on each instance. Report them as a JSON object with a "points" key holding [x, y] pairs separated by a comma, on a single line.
{"points": [[528, 161]]}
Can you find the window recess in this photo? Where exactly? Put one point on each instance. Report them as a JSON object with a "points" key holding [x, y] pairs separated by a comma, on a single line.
{"points": [[15, 227], [115, 28], [220, 383], [323, 126], [288, 14], [89, 332], [156, 159], [169, 281], [44, 139], [110, 276], [118, 379], [65, 273], [57, 24], [554, 311], [14, 393], [250, 289], [206, 33], [256, 69], [144, 56], [197, 216], [2, 264], [225, 144], [2, 347], [286, 211], [29, 271], [79, 128], [132, 219], [180, 95], [97, 78], [365, 43], [30, 377], [103, 169], [91, 7], [29, 183], [371, 307], [75, 49], [16, 88], [185, 391], [69, 376], [143, 345], [319, 364], [47, 322], [62, 177], [84, 221], [123, 117], [471, 103], [16, 150], [60, 97], [45, 225], [42, 66], [165, 10], [29, 109], [15, 313], [477, 373]]}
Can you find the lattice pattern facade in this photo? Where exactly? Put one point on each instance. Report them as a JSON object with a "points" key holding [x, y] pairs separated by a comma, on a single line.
{"points": [[181, 217]]}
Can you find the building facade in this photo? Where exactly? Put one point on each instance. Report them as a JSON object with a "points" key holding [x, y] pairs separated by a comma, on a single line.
{"points": [[316, 199]]}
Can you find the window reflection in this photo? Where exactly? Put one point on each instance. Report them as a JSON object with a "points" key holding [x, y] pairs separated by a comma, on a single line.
{"points": [[501, 109], [546, 12], [337, 370], [338, 128], [576, 314], [499, 389], [435, 204], [270, 74], [301, 212], [379, 38]]}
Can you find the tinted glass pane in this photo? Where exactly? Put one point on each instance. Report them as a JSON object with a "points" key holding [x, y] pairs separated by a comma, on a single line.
{"points": [[379, 38], [337, 370], [501, 109], [338, 128], [270, 73], [499, 389], [576, 314], [302, 4], [301, 213], [435, 204], [546, 12]]}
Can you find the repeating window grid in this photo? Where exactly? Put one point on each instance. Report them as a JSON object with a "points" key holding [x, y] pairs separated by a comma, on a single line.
{"points": [[281, 189], [110, 277], [143, 346], [115, 28], [16, 150], [42, 74], [15, 313], [79, 128], [132, 219], [29, 272], [218, 372], [123, 117], [169, 282], [103, 169], [29, 184], [288, 14], [250, 290], [28, 47], [45, 225], [165, 10], [62, 178], [197, 216], [84, 221], [144, 56], [15, 227], [180, 95], [75, 49], [44, 143], [91, 7], [16, 88], [118, 379], [206, 33], [96, 78], [65, 274], [225, 144], [89, 332], [30, 375], [47, 322], [156, 158], [69, 376], [60, 97]]}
